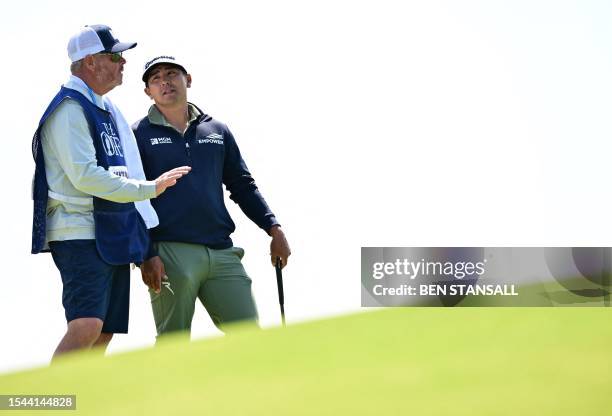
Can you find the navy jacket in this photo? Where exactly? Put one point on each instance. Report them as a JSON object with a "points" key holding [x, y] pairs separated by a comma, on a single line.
{"points": [[193, 211]]}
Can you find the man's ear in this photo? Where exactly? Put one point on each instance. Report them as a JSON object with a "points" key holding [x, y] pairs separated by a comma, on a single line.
{"points": [[89, 62], [148, 92], [188, 76]]}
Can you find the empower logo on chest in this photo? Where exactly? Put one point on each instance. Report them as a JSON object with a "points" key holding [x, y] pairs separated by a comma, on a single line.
{"points": [[212, 138], [161, 140]]}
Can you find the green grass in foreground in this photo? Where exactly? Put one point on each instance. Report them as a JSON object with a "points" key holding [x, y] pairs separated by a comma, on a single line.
{"points": [[408, 361]]}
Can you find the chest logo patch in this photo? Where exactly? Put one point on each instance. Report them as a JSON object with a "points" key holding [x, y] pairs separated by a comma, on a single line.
{"points": [[161, 140], [214, 138]]}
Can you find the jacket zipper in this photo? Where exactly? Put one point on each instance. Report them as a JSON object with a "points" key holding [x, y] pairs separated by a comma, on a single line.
{"points": [[187, 147]]}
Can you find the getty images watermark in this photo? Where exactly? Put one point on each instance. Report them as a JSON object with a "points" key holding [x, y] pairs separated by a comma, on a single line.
{"points": [[481, 276]]}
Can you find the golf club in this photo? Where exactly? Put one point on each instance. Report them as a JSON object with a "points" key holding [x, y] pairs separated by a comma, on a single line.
{"points": [[279, 284]]}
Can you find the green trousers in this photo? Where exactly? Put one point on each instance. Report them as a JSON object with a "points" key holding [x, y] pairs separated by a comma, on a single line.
{"points": [[215, 277]]}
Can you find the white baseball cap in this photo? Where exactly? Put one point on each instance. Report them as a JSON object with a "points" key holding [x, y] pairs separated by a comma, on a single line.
{"points": [[94, 39]]}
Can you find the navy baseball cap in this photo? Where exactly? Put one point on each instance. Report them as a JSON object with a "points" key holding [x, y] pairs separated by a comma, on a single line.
{"points": [[163, 59], [95, 39]]}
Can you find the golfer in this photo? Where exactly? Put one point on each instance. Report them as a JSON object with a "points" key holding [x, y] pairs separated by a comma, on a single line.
{"points": [[193, 240]]}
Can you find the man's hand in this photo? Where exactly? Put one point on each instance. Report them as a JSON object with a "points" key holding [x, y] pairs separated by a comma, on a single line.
{"points": [[153, 272], [279, 247], [169, 178]]}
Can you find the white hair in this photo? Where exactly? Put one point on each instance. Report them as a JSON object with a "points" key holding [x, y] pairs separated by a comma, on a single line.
{"points": [[76, 66]]}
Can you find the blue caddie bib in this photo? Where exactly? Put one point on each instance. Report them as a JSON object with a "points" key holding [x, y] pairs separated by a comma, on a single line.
{"points": [[121, 234]]}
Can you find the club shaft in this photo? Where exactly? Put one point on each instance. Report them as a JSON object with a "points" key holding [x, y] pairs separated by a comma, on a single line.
{"points": [[281, 292]]}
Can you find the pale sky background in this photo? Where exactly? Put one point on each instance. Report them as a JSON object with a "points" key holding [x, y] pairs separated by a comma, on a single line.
{"points": [[364, 123]]}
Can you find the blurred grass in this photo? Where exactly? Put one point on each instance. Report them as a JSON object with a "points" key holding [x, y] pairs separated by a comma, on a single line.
{"points": [[420, 361]]}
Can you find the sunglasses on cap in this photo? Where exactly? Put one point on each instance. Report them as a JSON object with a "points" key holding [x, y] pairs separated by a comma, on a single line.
{"points": [[114, 56]]}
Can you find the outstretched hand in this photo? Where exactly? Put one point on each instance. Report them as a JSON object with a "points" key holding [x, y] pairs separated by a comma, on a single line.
{"points": [[169, 178]]}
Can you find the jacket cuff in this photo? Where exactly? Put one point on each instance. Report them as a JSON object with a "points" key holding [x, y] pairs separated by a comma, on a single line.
{"points": [[272, 223], [148, 189], [151, 252]]}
